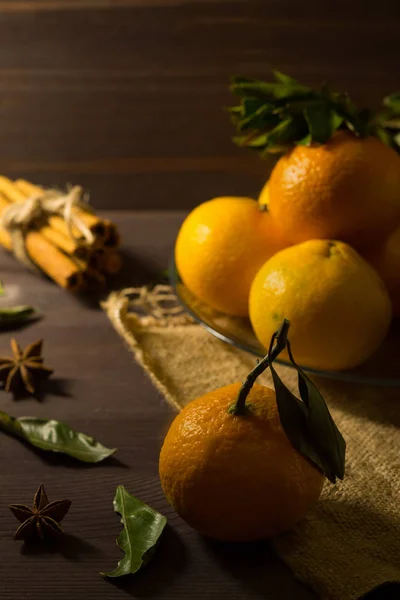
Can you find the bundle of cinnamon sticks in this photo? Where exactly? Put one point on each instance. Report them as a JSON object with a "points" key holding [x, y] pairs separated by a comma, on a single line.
{"points": [[69, 260]]}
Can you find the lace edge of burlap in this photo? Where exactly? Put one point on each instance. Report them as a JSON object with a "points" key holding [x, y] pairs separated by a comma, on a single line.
{"points": [[133, 309]]}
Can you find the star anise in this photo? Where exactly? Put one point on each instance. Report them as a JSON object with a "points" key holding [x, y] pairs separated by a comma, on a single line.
{"points": [[42, 520], [25, 368]]}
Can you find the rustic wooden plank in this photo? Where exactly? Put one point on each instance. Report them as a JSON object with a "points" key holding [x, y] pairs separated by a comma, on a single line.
{"points": [[63, 5], [127, 97], [341, 8]]}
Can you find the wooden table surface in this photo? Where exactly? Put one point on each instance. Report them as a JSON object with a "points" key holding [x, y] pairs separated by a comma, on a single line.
{"points": [[105, 394]]}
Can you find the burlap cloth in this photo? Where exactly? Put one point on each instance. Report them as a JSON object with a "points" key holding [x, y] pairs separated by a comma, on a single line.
{"points": [[350, 541]]}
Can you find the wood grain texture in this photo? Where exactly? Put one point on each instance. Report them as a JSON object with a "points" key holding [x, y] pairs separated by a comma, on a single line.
{"points": [[127, 96], [107, 395]]}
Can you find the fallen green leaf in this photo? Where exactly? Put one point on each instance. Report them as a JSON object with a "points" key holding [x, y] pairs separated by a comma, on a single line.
{"points": [[54, 436], [16, 315], [143, 527]]}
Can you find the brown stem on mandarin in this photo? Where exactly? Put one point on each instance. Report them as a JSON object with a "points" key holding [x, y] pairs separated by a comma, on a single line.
{"points": [[239, 408]]}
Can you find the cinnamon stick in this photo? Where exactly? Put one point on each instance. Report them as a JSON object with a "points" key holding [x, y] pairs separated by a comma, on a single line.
{"points": [[105, 261], [93, 280], [14, 194], [94, 223], [71, 264], [66, 244], [112, 262], [48, 258], [111, 237]]}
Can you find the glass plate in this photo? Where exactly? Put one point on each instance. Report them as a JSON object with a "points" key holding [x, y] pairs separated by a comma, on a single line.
{"points": [[381, 369]]}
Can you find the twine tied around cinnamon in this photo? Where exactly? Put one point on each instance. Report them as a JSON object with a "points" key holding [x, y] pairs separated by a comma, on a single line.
{"points": [[21, 217]]}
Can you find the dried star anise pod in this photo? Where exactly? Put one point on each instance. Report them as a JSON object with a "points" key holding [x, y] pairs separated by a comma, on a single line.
{"points": [[24, 368], [42, 520]]}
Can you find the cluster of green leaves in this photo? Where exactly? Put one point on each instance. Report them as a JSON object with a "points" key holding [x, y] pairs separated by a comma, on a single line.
{"points": [[274, 116]]}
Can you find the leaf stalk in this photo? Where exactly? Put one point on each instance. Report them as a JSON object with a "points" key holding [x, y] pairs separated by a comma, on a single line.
{"points": [[240, 408]]}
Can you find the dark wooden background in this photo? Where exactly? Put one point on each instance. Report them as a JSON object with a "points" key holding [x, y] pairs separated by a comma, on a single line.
{"points": [[127, 96]]}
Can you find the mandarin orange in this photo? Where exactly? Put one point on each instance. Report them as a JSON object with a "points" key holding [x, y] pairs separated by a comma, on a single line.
{"points": [[386, 260], [338, 306], [219, 249], [347, 189], [236, 478]]}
